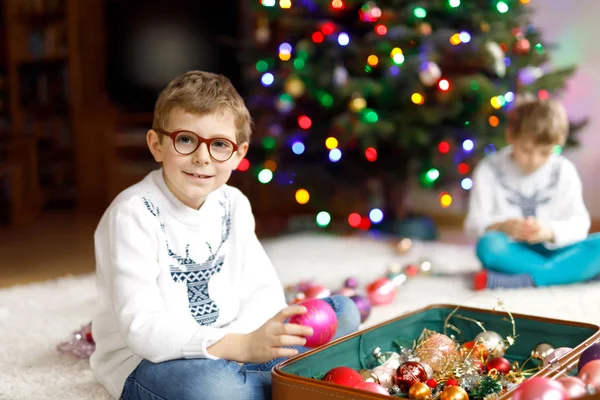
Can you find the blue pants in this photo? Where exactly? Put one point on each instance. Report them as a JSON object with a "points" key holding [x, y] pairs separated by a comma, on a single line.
{"points": [[579, 262], [195, 379]]}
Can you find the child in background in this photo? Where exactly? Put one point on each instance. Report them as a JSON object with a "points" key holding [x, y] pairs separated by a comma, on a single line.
{"points": [[527, 209], [189, 305]]}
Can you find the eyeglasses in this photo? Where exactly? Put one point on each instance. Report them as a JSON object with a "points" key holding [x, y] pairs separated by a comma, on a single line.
{"points": [[186, 142]]}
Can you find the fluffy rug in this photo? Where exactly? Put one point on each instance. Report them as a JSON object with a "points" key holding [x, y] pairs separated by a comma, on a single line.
{"points": [[34, 318]]}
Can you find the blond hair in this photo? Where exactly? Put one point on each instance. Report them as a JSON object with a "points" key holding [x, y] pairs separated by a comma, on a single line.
{"points": [[542, 121], [202, 93]]}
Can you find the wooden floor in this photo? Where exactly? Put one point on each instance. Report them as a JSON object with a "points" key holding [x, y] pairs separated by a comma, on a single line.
{"points": [[62, 244], [55, 245]]}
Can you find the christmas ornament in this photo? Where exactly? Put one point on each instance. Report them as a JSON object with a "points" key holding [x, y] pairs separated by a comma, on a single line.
{"points": [[364, 306], [321, 317], [541, 351], [529, 75], [437, 350], [589, 354], [386, 376], [397, 279], [454, 393], [451, 382], [403, 246], [317, 292], [368, 375], [522, 46], [351, 283], [425, 266], [428, 368], [411, 270], [555, 355], [432, 383], [81, 344], [381, 291], [408, 374], [294, 86], [540, 389], [419, 391], [424, 28], [473, 350], [372, 387], [573, 386], [486, 386], [346, 292], [390, 359], [430, 73], [493, 343], [590, 374], [344, 376], [500, 364]]}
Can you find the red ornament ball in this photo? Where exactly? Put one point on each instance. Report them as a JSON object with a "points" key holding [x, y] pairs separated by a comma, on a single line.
{"points": [[500, 364], [432, 383], [321, 317], [372, 387], [522, 46], [344, 376], [451, 382], [590, 374], [410, 373], [411, 270], [474, 350], [381, 291], [317, 292]]}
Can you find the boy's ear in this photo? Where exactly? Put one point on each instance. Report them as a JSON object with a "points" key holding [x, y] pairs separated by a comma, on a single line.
{"points": [[241, 153], [508, 135], [154, 145]]}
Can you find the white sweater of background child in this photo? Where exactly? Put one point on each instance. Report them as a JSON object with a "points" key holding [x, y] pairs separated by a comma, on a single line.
{"points": [[172, 281], [552, 194]]}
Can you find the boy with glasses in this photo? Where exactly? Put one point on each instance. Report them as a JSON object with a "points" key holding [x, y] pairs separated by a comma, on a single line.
{"points": [[189, 305]]}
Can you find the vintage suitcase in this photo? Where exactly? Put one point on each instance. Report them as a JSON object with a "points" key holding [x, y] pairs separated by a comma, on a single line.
{"points": [[292, 378]]}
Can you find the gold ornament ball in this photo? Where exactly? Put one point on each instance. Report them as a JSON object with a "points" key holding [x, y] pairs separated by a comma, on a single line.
{"points": [[295, 87], [369, 376], [541, 351], [404, 245], [419, 391], [454, 393]]}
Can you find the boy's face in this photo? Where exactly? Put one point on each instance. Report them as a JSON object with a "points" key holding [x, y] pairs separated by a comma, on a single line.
{"points": [[529, 155], [193, 177]]}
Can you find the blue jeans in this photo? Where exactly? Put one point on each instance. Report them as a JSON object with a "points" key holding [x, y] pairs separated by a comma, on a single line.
{"points": [[579, 262], [196, 379]]}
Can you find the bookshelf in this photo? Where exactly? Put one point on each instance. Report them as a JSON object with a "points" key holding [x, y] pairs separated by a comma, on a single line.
{"points": [[52, 60]]}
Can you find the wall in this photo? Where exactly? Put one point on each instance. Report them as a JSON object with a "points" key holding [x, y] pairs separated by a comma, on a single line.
{"points": [[574, 27]]}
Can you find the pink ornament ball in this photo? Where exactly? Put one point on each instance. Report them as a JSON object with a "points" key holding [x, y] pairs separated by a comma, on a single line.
{"points": [[321, 317], [381, 291], [590, 374], [573, 386], [540, 389], [372, 387]]}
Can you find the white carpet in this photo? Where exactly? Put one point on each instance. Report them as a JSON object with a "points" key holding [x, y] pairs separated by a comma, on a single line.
{"points": [[34, 318]]}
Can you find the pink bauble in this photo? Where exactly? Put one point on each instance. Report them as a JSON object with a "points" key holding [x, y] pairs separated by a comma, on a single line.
{"points": [[590, 374], [555, 355], [540, 389], [372, 387], [381, 291], [317, 292], [344, 376], [573, 386], [319, 316]]}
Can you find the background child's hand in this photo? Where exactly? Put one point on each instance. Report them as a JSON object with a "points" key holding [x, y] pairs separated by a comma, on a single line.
{"points": [[533, 232], [265, 343]]}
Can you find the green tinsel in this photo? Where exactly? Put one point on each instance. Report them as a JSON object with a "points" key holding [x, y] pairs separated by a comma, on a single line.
{"points": [[486, 387]]}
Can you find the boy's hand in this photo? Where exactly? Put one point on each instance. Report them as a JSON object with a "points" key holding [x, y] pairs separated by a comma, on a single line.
{"points": [[265, 343], [533, 232], [513, 227]]}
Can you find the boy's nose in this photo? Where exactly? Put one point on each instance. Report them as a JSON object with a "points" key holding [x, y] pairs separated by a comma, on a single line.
{"points": [[201, 155]]}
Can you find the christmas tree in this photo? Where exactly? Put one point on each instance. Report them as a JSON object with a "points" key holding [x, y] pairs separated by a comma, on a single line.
{"points": [[353, 99]]}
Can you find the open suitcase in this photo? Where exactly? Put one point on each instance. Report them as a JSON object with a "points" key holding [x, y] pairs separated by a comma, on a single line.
{"points": [[292, 379]]}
